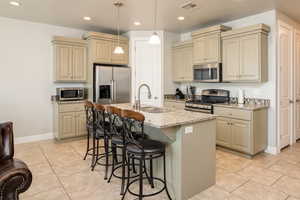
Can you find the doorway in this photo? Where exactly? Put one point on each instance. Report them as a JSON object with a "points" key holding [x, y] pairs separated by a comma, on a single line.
{"points": [[285, 77], [147, 69]]}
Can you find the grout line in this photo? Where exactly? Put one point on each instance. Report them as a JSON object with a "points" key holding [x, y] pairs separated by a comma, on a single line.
{"points": [[64, 189], [240, 186]]}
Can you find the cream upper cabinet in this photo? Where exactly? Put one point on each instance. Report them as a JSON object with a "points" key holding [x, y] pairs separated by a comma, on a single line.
{"points": [[79, 60], [245, 54], [63, 62], [102, 45], [70, 60], [199, 50], [101, 51], [182, 62], [231, 51], [207, 45]]}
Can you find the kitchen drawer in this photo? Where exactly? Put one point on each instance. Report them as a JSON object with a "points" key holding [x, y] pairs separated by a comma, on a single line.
{"points": [[233, 113], [72, 107]]}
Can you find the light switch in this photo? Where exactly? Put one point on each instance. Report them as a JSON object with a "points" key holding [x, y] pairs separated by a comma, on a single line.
{"points": [[188, 130]]}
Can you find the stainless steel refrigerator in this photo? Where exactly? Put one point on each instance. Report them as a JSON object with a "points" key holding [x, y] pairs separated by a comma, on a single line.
{"points": [[112, 84]]}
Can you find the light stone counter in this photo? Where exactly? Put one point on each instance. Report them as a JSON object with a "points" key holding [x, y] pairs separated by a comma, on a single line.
{"points": [[250, 107], [173, 117]]}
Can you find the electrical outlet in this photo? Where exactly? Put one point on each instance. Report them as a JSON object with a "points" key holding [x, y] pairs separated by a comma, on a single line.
{"points": [[188, 130]]}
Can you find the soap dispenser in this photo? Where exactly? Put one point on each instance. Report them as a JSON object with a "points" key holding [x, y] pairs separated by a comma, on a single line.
{"points": [[241, 98]]}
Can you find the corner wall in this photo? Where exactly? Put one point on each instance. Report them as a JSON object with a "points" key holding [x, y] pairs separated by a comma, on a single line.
{"points": [[26, 76]]}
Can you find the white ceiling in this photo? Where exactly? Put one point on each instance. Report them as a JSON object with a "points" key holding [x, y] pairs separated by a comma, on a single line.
{"points": [[69, 13]]}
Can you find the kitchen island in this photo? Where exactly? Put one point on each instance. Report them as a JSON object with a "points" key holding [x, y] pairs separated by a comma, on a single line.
{"points": [[190, 153]]}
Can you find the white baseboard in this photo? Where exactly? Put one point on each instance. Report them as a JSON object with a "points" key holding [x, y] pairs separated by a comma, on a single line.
{"points": [[271, 150], [33, 138]]}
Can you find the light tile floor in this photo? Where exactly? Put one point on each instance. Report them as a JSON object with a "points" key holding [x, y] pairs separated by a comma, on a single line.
{"points": [[59, 173]]}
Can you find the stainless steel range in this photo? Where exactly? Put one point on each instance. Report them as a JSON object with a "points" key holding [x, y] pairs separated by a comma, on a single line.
{"points": [[205, 102]]}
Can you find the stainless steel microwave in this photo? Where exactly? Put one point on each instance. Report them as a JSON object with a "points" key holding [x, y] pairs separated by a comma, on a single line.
{"points": [[208, 73], [71, 94]]}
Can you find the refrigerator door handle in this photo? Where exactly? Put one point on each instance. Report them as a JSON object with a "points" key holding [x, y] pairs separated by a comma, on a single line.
{"points": [[112, 90]]}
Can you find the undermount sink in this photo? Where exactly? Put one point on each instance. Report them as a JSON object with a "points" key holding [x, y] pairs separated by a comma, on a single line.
{"points": [[150, 109]]}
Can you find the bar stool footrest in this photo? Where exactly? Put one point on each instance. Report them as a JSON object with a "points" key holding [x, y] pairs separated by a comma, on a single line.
{"points": [[147, 195]]}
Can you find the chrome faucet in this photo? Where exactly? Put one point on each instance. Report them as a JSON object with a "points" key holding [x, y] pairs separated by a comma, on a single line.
{"points": [[138, 101]]}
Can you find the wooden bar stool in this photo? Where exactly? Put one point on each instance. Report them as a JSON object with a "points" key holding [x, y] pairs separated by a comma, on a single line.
{"points": [[143, 150], [118, 142]]}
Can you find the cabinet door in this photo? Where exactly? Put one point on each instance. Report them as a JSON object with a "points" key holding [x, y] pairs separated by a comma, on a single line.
{"points": [[101, 51], [67, 124], [241, 135], [187, 59], [177, 64], [121, 59], [212, 46], [79, 63], [223, 132], [80, 119], [231, 59], [199, 50], [249, 58], [63, 62]]}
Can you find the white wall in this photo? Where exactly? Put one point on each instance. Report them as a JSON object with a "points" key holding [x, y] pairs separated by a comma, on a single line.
{"points": [[265, 90], [26, 69]]}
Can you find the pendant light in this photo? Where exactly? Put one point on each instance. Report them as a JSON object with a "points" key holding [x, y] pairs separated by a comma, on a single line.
{"points": [[118, 49], [154, 39]]}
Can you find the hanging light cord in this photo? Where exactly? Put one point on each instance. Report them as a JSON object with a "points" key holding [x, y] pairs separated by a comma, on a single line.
{"points": [[155, 14], [118, 24]]}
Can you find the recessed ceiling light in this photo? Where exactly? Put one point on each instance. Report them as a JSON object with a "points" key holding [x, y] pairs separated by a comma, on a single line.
{"points": [[137, 23], [87, 18], [180, 18], [14, 3]]}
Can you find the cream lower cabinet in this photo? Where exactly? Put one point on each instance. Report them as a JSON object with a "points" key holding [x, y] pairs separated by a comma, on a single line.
{"points": [[70, 60], [245, 54], [69, 120], [242, 130], [182, 62]]}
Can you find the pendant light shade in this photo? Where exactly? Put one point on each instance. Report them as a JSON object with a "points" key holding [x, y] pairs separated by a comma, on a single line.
{"points": [[154, 39], [118, 49]]}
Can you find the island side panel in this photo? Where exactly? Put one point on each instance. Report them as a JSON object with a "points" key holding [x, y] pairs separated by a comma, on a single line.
{"points": [[198, 162], [190, 158]]}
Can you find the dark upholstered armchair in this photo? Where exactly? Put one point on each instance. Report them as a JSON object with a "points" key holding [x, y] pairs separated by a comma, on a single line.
{"points": [[15, 177]]}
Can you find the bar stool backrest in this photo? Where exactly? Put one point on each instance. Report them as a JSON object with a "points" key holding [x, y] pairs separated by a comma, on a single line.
{"points": [[89, 110], [133, 123], [100, 122], [116, 121]]}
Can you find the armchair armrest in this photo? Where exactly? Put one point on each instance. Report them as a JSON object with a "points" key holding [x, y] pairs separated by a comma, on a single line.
{"points": [[15, 178]]}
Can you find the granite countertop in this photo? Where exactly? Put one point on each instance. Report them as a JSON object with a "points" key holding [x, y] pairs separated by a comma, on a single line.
{"points": [[175, 100], [250, 107], [174, 117]]}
